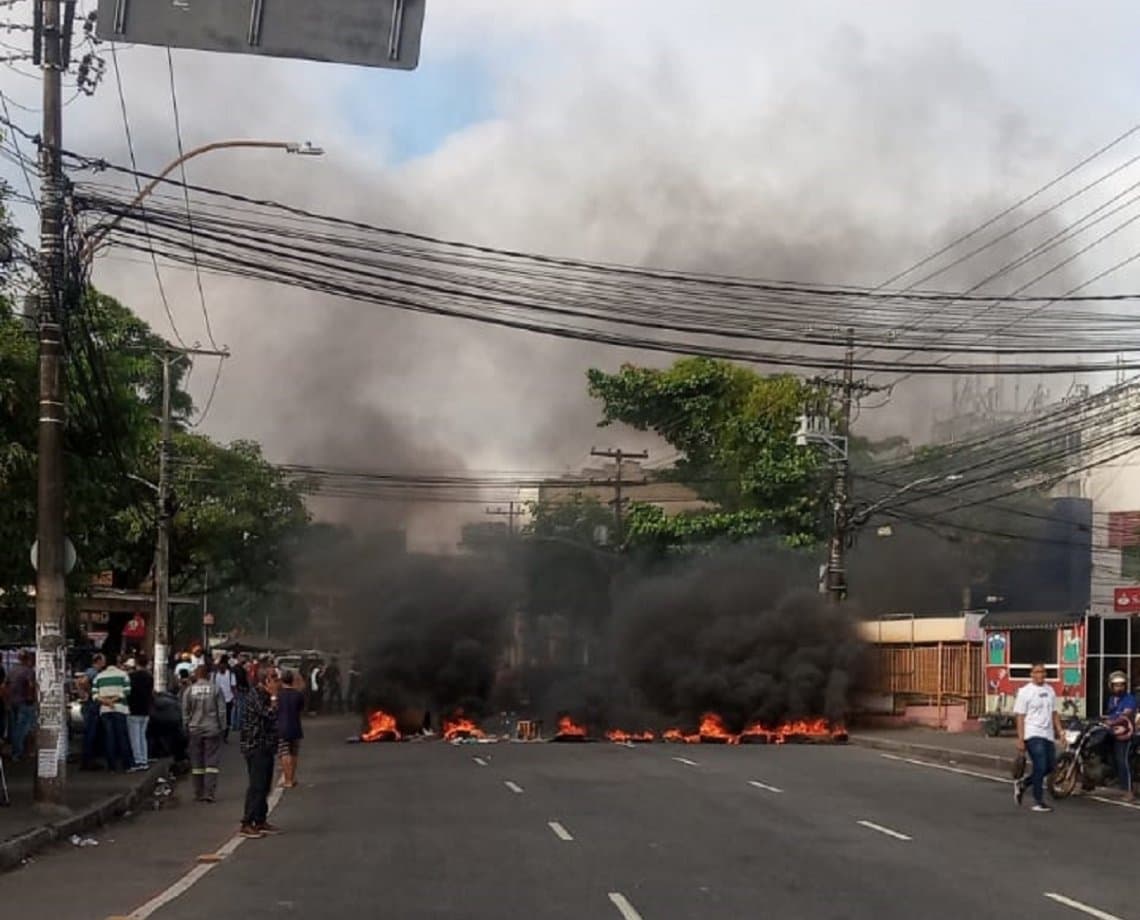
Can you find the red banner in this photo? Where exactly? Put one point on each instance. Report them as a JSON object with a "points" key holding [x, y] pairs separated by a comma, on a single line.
{"points": [[1126, 600], [1123, 529]]}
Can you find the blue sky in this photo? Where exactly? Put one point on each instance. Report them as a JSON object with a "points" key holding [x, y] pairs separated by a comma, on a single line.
{"points": [[411, 114]]}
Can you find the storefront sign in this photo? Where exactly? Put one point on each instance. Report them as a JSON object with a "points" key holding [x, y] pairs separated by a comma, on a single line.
{"points": [[1126, 600]]}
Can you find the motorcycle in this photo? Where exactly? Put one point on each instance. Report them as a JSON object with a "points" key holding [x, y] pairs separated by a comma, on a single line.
{"points": [[1088, 761]]}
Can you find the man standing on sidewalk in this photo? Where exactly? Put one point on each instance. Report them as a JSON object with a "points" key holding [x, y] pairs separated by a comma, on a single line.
{"points": [[259, 745], [140, 703], [1038, 728], [22, 702], [112, 688], [204, 715]]}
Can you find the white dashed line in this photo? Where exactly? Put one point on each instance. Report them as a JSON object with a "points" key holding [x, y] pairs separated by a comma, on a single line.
{"points": [[559, 831], [480, 761], [1083, 908], [514, 787], [686, 761], [882, 830], [626, 909], [763, 786]]}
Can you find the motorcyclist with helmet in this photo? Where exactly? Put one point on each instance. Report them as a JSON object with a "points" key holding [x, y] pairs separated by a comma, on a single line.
{"points": [[1120, 717]]}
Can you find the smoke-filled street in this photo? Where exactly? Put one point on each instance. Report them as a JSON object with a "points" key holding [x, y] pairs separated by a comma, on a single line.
{"points": [[662, 832]]}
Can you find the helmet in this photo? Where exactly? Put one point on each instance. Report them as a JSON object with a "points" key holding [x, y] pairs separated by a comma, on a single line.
{"points": [[1118, 677]]}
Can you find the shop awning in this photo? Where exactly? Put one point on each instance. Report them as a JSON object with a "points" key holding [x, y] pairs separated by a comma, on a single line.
{"points": [[1030, 620]]}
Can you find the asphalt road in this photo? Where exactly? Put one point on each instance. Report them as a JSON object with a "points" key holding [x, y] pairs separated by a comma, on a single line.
{"points": [[584, 831]]}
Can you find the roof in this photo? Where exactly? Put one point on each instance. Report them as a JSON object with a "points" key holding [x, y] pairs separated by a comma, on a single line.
{"points": [[1030, 620]]}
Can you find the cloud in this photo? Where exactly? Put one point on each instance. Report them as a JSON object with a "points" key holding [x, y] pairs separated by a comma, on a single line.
{"points": [[754, 138]]}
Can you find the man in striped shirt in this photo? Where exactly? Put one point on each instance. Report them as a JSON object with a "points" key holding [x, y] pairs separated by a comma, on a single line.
{"points": [[111, 688]]}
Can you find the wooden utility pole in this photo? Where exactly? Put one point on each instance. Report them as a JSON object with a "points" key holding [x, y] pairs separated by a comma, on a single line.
{"points": [[848, 387], [169, 355], [51, 600], [619, 455]]}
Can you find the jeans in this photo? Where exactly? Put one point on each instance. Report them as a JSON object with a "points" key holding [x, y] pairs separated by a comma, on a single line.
{"points": [[1120, 751], [116, 740], [204, 757], [136, 731], [23, 722], [239, 711], [260, 766], [1043, 754], [90, 732]]}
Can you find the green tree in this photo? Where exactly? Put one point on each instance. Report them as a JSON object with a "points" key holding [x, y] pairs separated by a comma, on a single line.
{"points": [[734, 429]]}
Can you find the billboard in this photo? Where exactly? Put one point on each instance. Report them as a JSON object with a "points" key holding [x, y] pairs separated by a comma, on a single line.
{"points": [[372, 33], [1126, 600]]}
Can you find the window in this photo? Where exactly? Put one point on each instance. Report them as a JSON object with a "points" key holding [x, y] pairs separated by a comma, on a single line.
{"points": [[1027, 646]]}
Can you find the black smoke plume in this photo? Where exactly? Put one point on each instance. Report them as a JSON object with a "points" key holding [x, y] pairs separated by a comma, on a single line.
{"points": [[432, 633], [742, 634]]}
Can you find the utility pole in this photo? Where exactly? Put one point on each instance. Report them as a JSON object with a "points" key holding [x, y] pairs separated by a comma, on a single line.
{"points": [[51, 647], [619, 455], [836, 575], [509, 513], [169, 355]]}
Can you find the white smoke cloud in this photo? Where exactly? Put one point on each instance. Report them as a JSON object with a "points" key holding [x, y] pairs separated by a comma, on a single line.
{"points": [[752, 137]]}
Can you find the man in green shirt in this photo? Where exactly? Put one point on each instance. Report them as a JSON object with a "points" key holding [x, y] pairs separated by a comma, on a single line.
{"points": [[111, 688]]}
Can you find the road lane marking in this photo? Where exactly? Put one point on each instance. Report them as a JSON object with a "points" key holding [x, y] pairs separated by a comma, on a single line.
{"points": [[559, 831], [187, 881], [514, 787], [627, 910], [882, 830], [480, 761], [763, 786], [939, 766], [1117, 802], [1083, 908], [686, 761]]}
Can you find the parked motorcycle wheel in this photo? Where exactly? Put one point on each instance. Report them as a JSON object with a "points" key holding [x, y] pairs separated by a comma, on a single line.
{"points": [[1063, 780]]}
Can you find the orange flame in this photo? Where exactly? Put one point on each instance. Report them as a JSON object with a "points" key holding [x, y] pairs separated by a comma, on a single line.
{"points": [[567, 726], [798, 730], [621, 736], [459, 727], [381, 727]]}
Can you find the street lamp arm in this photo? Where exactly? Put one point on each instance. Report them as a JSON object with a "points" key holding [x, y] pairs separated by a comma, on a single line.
{"points": [[863, 515], [288, 146]]}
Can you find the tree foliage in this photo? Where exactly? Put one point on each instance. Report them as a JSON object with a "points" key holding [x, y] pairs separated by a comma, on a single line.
{"points": [[735, 432], [236, 517]]}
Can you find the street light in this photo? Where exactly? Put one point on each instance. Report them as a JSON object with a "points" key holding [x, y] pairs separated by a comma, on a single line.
{"points": [[863, 515], [305, 149]]}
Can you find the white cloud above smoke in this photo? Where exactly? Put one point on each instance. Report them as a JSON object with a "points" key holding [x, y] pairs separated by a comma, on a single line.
{"points": [[832, 142]]}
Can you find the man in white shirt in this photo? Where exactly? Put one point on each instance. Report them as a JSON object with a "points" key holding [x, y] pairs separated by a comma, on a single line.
{"points": [[1038, 730], [226, 682]]}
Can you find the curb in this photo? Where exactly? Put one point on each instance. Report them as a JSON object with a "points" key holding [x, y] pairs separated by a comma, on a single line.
{"points": [[14, 850], [995, 762]]}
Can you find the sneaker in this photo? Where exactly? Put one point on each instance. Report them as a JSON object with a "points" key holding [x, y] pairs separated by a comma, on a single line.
{"points": [[208, 799], [250, 832], [268, 828], [1042, 808], [1018, 791]]}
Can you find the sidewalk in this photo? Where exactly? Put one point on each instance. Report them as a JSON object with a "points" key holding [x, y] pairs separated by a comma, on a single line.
{"points": [[92, 799], [966, 748]]}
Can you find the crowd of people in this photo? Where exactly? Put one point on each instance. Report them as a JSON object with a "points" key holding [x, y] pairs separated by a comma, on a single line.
{"points": [[214, 698]]}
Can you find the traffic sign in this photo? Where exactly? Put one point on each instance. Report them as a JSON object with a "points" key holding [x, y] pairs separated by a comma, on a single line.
{"points": [[69, 557], [373, 33], [207, 619]]}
